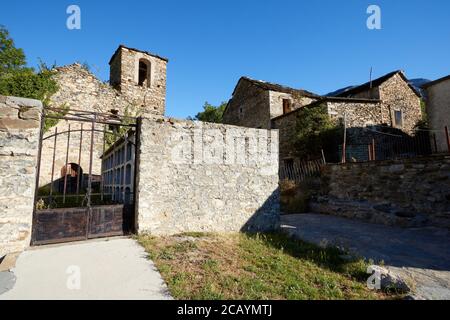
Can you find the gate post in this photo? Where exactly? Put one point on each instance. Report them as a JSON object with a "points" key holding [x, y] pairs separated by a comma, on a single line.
{"points": [[20, 154]]}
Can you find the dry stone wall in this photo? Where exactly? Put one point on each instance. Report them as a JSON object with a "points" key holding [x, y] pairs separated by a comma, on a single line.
{"points": [[206, 177], [407, 193], [79, 89], [20, 121]]}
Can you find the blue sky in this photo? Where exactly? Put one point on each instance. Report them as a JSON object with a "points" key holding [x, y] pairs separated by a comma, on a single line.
{"points": [[319, 45]]}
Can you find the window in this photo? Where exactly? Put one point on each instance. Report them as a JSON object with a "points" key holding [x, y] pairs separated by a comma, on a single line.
{"points": [[286, 106], [144, 72], [241, 111], [398, 118]]}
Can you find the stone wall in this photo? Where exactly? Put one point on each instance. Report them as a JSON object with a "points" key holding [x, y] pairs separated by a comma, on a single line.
{"points": [[276, 102], [358, 114], [407, 193], [286, 125], [20, 121], [79, 89], [206, 177], [396, 94], [438, 110]]}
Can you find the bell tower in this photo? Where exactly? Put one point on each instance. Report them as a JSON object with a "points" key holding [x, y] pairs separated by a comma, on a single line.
{"points": [[140, 76]]}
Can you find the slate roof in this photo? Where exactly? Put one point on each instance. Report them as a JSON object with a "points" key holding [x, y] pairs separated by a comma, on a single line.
{"points": [[376, 83], [138, 50], [276, 87]]}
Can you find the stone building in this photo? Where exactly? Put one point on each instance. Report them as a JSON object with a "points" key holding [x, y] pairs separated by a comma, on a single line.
{"points": [[137, 83], [137, 87], [140, 77], [387, 101], [255, 103], [400, 101], [438, 110]]}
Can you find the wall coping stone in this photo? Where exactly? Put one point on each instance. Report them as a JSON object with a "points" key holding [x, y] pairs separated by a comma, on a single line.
{"points": [[24, 102]]}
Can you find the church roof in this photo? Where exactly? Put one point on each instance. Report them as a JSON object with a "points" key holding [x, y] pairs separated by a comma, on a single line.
{"points": [[138, 50]]}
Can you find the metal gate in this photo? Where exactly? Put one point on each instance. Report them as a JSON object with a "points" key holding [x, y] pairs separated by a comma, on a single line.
{"points": [[85, 177]]}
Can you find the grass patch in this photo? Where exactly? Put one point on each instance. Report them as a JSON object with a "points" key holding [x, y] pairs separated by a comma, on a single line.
{"points": [[260, 266]]}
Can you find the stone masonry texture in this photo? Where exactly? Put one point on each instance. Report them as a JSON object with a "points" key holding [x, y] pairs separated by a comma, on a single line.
{"points": [[406, 193], [124, 73], [189, 181], [20, 121], [395, 95]]}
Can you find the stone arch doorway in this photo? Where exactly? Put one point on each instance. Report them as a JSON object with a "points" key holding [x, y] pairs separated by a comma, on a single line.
{"points": [[71, 178]]}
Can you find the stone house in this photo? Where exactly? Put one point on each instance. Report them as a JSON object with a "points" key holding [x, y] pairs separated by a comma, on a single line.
{"points": [[438, 110], [400, 101], [255, 103], [388, 101]]}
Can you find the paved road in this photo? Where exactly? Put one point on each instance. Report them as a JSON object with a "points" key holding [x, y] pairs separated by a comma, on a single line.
{"points": [[102, 269], [422, 255]]}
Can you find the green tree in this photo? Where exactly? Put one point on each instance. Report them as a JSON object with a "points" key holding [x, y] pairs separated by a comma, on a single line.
{"points": [[211, 113], [16, 79], [316, 131], [11, 58]]}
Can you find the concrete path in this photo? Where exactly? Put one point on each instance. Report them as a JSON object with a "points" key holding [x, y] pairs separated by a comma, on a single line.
{"points": [[420, 255], [101, 269]]}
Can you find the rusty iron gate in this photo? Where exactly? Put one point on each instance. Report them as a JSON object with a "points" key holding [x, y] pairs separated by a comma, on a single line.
{"points": [[85, 177]]}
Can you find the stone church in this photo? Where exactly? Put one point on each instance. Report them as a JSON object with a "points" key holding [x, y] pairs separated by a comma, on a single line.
{"points": [[137, 87], [137, 83]]}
